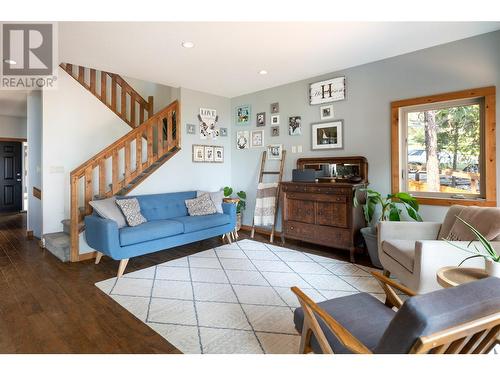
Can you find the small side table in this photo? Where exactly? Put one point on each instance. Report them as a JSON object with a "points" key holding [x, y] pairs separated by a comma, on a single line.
{"points": [[234, 234], [449, 277]]}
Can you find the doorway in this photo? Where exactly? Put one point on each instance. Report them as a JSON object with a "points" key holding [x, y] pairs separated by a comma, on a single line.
{"points": [[11, 176]]}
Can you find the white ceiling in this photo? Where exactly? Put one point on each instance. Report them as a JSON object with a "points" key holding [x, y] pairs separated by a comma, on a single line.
{"points": [[13, 103], [227, 56]]}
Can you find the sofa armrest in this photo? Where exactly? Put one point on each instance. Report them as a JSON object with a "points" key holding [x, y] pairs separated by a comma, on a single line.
{"points": [[430, 256], [408, 230], [230, 209], [102, 235]]}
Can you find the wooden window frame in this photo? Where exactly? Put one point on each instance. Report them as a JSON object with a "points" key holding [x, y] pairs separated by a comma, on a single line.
{"points": [[488, 94]]}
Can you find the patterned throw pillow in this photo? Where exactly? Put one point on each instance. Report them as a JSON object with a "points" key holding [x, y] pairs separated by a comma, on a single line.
{"points": [[202, 205], [132, 211], [216, 197]]}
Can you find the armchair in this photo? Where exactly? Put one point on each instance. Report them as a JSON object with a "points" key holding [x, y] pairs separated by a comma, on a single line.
{"points": [[464, 319], [414, 251]]}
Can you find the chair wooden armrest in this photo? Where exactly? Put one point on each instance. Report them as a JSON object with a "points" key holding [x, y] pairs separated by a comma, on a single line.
{"points": [[311, 326], [392, 299]]}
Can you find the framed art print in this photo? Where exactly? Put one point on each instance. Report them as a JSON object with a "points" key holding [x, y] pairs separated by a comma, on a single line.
{"points": [[242, 139], [275, 131], [327, 91], [198, 153], [257, 138], [326, 112], [274, 152], [261, 119], [209, 153], [295, 125], [327, 135], [275, 119], [243, 115], [218, 154], [275, 108]]}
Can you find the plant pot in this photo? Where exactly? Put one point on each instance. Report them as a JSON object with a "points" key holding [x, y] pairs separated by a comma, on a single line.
{"points": [[238, 221], [371, 241], [492, 268]]}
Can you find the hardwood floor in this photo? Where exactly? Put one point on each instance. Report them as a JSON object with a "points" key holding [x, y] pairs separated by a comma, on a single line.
{"points": [[47, 306]]}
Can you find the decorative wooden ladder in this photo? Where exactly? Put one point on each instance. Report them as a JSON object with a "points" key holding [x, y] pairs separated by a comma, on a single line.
{"points": [[128, 161]]}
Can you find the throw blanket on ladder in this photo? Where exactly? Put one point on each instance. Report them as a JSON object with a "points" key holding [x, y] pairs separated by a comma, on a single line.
{"points": [[265, 204]]}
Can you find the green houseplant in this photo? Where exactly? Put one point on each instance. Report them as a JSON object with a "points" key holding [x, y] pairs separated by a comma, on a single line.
{"points": [[379, 208], [490, 255], [240, 207]]}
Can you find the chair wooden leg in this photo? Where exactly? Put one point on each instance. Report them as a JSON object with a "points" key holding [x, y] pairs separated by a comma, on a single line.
{"points": [[386, 273], [122, 266], [98, 257]]}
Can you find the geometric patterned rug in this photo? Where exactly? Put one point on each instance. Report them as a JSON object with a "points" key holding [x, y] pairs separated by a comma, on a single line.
{"points": [[234, 298]]}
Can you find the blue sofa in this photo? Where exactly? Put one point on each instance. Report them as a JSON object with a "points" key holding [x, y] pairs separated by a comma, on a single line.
{"points": [[168, 225]]}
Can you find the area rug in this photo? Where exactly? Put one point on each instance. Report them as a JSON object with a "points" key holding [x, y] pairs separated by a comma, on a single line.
{"points": [[234, 298]]}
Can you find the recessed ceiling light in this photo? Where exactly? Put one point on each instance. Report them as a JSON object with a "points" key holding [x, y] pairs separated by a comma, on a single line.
{"points": [[187, 44], [262, 72], [10, 62]]}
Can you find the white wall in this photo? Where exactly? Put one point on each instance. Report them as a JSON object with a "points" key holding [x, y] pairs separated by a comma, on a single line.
{"points": [[76, 126], [12, 127], [180, 173], [34, 137], [370, 88]]}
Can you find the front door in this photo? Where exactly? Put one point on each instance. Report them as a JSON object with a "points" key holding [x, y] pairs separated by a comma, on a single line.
{"points": [[10, 176]]}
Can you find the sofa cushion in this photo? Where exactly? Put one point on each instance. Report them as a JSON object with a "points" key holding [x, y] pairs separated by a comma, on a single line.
{"points": [[402, 251], [363, 315], [196, 223], [149, 231], [164, 206], [429, 313]]}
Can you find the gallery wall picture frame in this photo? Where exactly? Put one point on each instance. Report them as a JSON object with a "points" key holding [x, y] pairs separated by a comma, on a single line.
{"points": [[327, 135], [242, 139], [223, 132], [218, 154], [295, 125], [275, 131], [261, 119], [190, 128], [198, 153], [327, 91], [243, 113], [257, 138], [274, 151], [275, 107], [326, 112], [209, 154], [275, 119]]}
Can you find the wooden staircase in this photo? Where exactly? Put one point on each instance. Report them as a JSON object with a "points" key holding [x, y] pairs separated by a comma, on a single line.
{"points": [[128, 161]]}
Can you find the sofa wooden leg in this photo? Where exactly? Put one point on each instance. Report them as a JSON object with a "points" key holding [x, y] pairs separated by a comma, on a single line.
{"points": [[228, 236], [122, 266], [98, 257]]}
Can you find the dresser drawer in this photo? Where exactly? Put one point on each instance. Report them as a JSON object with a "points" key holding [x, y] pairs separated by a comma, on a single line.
{"points": [[323, 235]]}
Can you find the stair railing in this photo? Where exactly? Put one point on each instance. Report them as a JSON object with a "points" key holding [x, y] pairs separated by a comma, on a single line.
{"points": [[123, 165], [114, 92]]}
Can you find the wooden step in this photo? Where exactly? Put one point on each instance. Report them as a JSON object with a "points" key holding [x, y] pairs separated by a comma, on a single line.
{"points": [[67, 226]]}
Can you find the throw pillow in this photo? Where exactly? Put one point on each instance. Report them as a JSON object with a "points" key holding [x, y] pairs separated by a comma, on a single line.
{"points": [[132, 211], [216, 197], [202, 205], [107, 209]]}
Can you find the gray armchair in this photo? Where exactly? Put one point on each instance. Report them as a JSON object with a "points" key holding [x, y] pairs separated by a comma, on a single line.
{"points": [[464, 319]]}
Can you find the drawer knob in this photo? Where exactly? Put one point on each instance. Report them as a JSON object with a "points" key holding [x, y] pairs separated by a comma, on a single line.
{"points": [[291, 227]]}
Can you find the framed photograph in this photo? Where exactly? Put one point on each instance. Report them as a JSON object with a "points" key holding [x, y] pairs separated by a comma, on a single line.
{"points": [[261, 119], [209, 153], [327, 135], [190, 128], [295, 125], [275, 131], [326, 112], [274, 152], [327, 91], [243, 115], [275, 108], [275, 119], [198, 153], [257, 138], [218, 154], [242, 139], [223, 132]]}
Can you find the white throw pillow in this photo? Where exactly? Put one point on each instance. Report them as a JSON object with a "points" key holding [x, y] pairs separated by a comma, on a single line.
{"points": [[216, 197], [107, 209]]}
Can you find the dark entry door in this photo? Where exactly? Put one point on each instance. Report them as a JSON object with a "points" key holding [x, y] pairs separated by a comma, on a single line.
{"points": [[10, 176]]}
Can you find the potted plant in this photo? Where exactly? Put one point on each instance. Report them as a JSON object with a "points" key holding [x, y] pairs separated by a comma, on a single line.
{"points": [[490, 255], [390, 208], [241, 203]]}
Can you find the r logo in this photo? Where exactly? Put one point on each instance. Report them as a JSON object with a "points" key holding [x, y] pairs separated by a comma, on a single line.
{"points": [[30, 46]]}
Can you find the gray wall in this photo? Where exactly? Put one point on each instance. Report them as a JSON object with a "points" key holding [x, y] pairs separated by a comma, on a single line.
{"points": [[370, 88]]}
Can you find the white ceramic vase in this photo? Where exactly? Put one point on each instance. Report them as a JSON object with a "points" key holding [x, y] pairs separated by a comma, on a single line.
{"points": [[492, 268]]}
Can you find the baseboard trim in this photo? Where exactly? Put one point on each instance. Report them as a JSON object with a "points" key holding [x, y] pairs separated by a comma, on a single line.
{"points": [[87, 256], [29, 235]]}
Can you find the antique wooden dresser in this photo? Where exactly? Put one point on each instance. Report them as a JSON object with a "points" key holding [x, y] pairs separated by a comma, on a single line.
{"points": [[323, 212]]}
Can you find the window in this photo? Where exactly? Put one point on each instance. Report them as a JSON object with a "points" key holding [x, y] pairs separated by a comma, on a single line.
{"points": [[443, 148]]}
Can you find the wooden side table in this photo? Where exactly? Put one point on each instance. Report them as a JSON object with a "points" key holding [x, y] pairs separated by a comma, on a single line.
{"points": [[449, 277], [234, 234]]}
